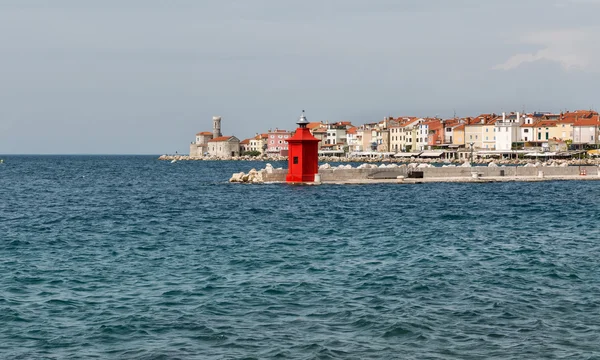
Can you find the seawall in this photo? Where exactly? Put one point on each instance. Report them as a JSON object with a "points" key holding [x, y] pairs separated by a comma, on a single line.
{"points": [[446, 174]]}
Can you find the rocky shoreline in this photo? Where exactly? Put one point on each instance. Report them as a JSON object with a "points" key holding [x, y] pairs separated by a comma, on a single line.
{"points": [[333, 159]]}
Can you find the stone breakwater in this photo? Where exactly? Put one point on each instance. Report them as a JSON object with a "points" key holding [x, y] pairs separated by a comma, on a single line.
{"points": [[329, 159], [268, 174], [415, 172]]}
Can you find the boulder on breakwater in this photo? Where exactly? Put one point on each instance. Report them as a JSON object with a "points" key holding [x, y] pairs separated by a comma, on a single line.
{"points": [[257, 176]]}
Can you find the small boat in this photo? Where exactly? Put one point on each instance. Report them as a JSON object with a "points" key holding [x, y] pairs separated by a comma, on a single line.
{"points": [[174, 160], [1, 161]]}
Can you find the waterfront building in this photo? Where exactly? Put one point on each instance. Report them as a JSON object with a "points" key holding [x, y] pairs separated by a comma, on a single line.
{"points": [[396, 142], [448, 127], [354, 140], [244, 146], [586, 130], [320, 133], [408, 132], [199, 147], [224, 146], [458, 135], [336, 135], [489, 133], [527, 129], [435, 134], [214, 143], [277, 144], [368, 142], [508, 131], [259, 143], [567, 120], [480, 132], [423, 134]]}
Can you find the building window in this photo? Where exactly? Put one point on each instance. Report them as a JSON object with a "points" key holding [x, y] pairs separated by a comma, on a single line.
{"points": [[525, 130]]}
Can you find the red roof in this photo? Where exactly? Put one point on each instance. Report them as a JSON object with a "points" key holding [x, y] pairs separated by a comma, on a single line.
{"points": [[204, 133], [313, 125], [594, 121], [222, 138], [245, 142]]}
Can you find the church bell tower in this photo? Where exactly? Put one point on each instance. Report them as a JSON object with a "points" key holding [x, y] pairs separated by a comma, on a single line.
{"points": [[217, 127]]}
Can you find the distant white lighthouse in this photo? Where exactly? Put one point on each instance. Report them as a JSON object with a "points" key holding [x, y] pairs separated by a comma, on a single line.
{"points": [[217, 127]]}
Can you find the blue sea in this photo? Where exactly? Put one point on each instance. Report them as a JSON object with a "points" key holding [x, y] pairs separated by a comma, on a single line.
{"points": [[128, 257]]}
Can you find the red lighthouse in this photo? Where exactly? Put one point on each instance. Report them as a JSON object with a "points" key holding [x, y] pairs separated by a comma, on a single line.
{"points": [[303, 154]]}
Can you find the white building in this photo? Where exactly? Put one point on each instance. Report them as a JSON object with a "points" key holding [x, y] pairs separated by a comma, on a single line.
{"points": [[508, 131], [527, 129], [587, 131]]}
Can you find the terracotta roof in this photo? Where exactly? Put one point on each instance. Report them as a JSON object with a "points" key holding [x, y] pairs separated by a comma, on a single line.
{"points": [[313, 125], [570, 117], [460, 127], [545, 123], [594, 121], [320, 130], [204, 133], [351, 131], [222, 138], [245, 142]]}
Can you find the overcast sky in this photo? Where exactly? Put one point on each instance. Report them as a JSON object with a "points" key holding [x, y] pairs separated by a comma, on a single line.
{"points": [[143, 76]]}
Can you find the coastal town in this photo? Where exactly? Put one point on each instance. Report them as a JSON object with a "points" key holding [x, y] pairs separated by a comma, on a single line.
{"points": [[505, 136]]}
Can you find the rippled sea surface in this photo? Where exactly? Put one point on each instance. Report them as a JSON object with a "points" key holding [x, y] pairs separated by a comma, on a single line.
{"points": [[133, 258]]}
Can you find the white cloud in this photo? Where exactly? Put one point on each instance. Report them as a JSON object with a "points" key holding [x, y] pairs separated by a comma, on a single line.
{"points": [[573, 49]]}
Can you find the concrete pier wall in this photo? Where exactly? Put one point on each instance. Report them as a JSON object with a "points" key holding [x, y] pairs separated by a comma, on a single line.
{"points": [[341, 175]]}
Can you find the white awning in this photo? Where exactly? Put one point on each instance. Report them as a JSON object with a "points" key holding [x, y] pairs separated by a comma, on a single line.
{"points": [[407, 154], [432, 153], [541, 154]]}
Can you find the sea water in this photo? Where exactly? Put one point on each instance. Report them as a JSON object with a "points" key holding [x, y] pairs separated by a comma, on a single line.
{"points": [[129, 257]]}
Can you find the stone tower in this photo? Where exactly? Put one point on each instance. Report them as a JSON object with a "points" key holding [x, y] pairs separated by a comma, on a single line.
{"points": [[217, 127]]}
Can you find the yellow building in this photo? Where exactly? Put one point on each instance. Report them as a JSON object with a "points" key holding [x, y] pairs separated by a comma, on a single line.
{"points": [[458, 137]]}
